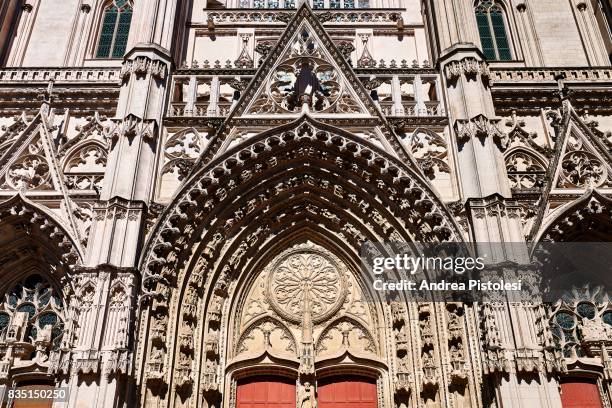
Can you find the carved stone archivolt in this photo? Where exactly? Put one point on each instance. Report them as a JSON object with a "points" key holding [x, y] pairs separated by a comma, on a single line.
{"points": [[261, 155]]}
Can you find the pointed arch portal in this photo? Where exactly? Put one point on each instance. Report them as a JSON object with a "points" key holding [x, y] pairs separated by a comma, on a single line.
{"points": [[301, 198]]}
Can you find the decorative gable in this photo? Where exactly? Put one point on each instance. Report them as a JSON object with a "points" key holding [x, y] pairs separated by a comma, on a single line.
{"points": [[582, 161], [305, 72]]}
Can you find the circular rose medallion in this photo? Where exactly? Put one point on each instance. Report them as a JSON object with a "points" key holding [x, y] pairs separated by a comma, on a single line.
{"points": [[306, 277]]}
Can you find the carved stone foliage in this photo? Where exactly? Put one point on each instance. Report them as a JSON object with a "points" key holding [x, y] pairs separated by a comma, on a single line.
{"points": [[29, 170], [27, 217], [31, 321], [142, 65], [518, 136], [366, 60], [481, 127], [309, 274], [590, 214], [431, 152], [13, 130], [582, 322], [582, 169], [581, 164], [181, 151], [305, 75]]}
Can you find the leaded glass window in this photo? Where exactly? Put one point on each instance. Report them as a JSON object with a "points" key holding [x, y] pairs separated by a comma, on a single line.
{"points": [[115, 29], [493, 32], [32, 312]]}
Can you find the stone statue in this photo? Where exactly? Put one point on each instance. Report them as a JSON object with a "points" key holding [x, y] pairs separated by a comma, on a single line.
{"points": [[306, 396]]}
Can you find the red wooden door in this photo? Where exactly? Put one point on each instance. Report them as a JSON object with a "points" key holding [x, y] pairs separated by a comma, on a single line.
{"points": [[347, 392], [580, 393], [266, 392]]}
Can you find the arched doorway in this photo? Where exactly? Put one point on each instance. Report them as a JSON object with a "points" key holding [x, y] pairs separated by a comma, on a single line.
{"points": [[580, 393], [347, 392], [265, 392]]}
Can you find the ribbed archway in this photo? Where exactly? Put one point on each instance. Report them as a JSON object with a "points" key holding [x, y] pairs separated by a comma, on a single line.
{"points": [[303, 182]]}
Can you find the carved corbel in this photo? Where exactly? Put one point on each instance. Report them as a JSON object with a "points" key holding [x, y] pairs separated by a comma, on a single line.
{"points": [[142, 66]]}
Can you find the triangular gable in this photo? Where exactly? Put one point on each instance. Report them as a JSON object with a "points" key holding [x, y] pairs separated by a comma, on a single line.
{"points": [[582, 161], [305, 41], [29, 163], [574, 142]]}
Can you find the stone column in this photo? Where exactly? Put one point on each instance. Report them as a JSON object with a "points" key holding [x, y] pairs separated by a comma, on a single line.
{"points": [[75, 52], [419, 101], [454, 23], [511, 348], [591, 37], [213, 103], [9, 12], [22, 33], [396, 96], [479, 138], [119, 216], [132, 163], [192, 96]]}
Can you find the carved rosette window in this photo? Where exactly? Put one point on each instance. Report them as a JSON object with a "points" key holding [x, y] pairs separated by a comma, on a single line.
{"points": [[31, 319], [304, 75], [306, 274], [581, 322], [525, 171]]}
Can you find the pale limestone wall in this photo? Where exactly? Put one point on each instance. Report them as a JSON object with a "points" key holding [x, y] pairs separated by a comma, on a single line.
{"points": [[558, 34], [51, 32]]}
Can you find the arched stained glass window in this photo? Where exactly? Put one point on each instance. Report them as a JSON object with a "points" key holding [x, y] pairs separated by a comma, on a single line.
{"points": [[493, 32], [115, 29]]}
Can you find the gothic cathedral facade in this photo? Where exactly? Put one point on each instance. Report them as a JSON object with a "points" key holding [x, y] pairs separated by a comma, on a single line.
{"points": [[185, 186]]}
